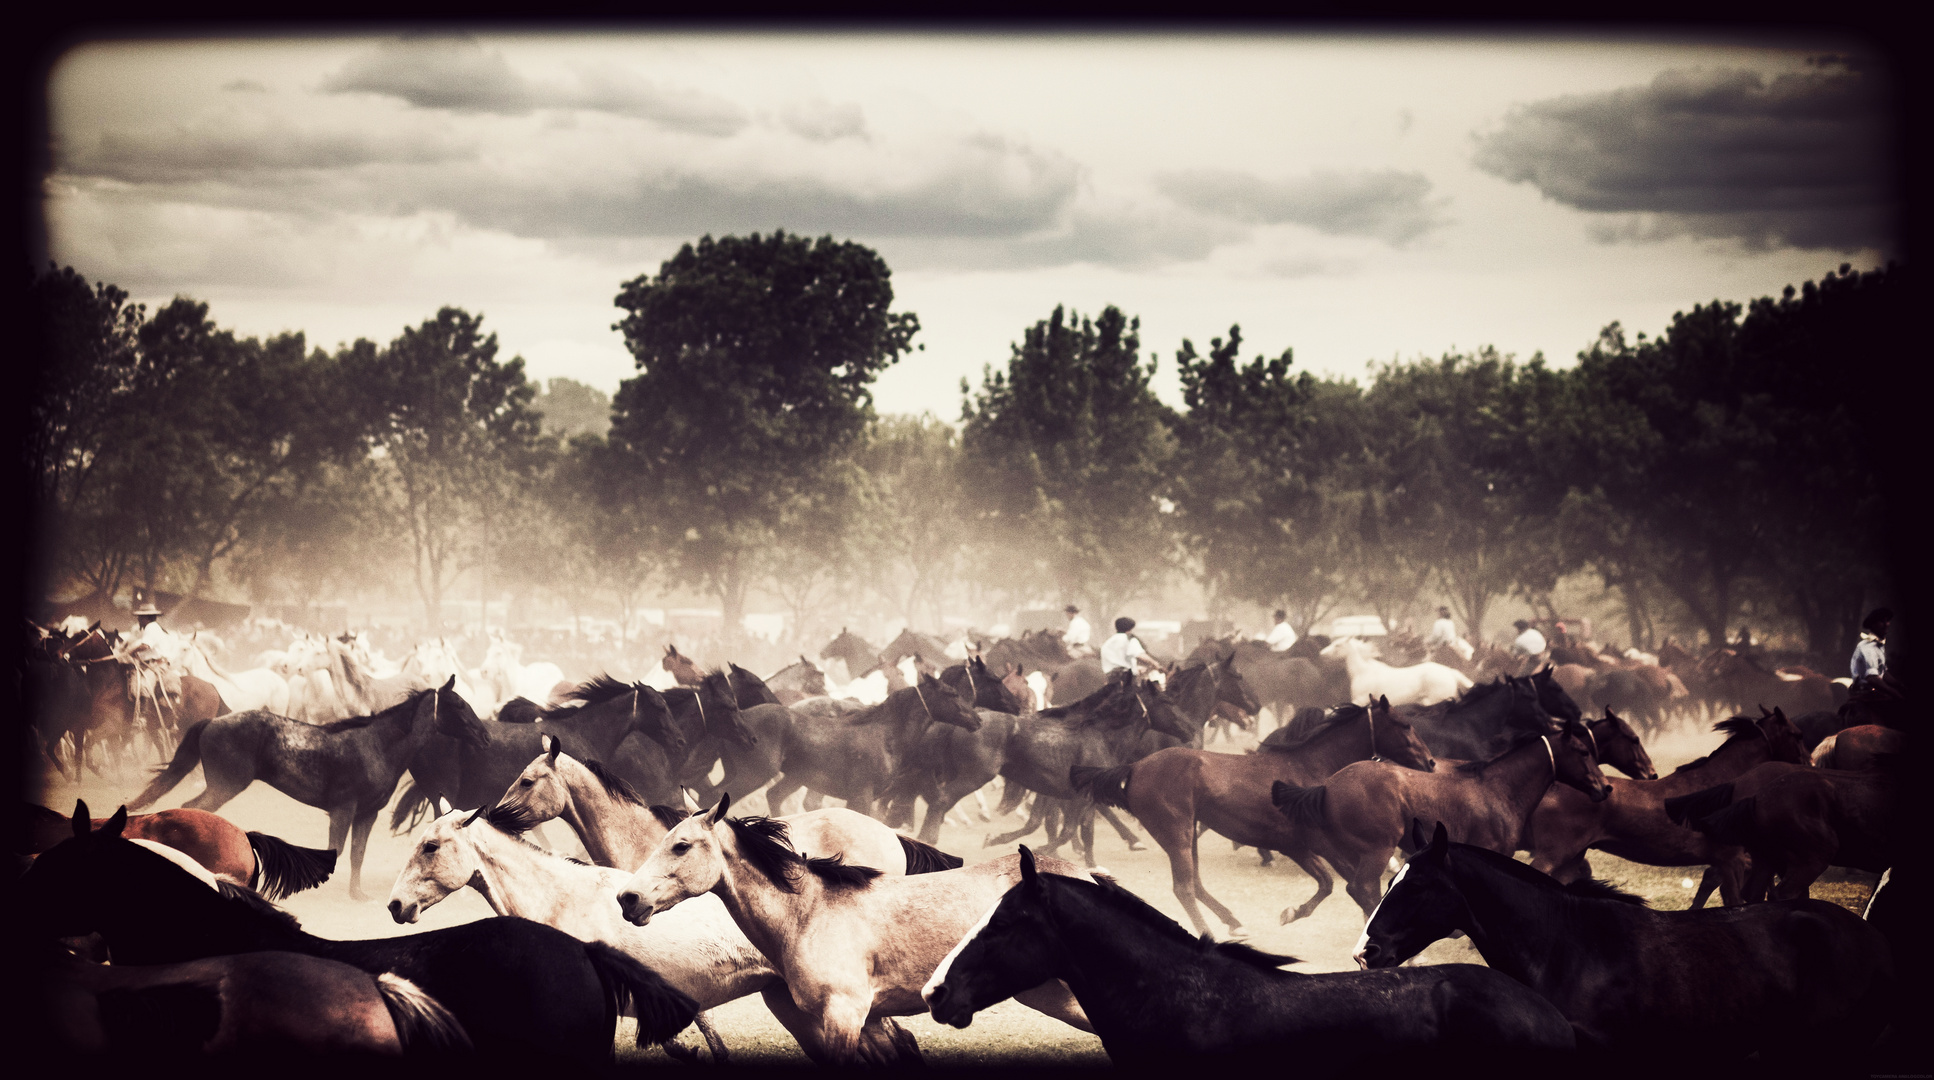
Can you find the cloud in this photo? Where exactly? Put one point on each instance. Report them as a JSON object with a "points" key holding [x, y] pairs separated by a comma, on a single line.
{"points": [[455, 73], [245, 86], [823, 121], [1387, 205], [1797, 160], [243, 148]]}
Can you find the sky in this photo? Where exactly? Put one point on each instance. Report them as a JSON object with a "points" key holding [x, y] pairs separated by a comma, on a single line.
{"points": [[1356, 198]]}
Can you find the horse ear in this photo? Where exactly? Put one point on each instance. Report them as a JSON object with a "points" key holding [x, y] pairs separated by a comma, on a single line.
{"points": [[443, 806], [1417, 842], [691, 800], [1440, 840], [556, 745], [83, 821], [472, 819], [116, 823], [1029, 875], [717, 813], [451, 684], [1383, 702]]}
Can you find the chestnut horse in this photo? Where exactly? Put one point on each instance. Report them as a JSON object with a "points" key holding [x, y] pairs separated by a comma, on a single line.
{"points": [[269, 865]]}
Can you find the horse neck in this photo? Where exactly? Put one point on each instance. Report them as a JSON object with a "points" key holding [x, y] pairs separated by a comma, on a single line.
{"points": [[1524, 930], [615, 832], [1733, 759], [1106, 956], [517, 879], [771, 918], [1339, 745], [1514, 779]]}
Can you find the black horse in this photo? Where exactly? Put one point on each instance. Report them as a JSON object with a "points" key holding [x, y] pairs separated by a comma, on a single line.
{"points": [[472, 761], [1797, 977], [709, 725], [1485, 719], [949, 762], [348, 768], [1160, 997], [520, 989]]}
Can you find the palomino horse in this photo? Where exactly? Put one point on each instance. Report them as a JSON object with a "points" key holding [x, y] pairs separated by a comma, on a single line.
{"points": [[268, 864], [1632, 824], [854, 947], [521, 990], [1420, 684], [1804, 977], [1177, 792], [1359, 816], [1161, 998]]}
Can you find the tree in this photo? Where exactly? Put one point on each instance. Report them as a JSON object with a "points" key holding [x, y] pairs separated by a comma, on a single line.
{"points": [[1068, 452], [910, 507], [755, 355], [571, 408], [453, 430]]}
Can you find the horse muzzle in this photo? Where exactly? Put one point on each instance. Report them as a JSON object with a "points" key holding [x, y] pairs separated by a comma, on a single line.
{"points": [[401, 913], [636, 911], [945, 1010]]}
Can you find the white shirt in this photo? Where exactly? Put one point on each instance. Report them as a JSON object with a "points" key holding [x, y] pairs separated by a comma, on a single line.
{"points": [[1442, 632], [1530, 643], [1077, 632], [1120, 651], [1281, 637], [161, 643]]}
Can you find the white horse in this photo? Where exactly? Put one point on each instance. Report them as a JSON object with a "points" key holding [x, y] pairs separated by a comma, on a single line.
{"points": [[507, 677], [1420, 684], [259, 688], [434, 663]]}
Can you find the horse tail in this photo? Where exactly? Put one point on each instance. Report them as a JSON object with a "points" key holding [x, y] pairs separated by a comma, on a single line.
{"points": [[1685, 808], [1108, 787], [187, 756], [1736, 824], [282, 868], [927, 859], [663, 1010], [422, 1023], [1303, 805], [410, 809]]}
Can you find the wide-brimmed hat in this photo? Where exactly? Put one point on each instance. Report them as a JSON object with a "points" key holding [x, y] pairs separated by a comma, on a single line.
{"points": [[147, 609], [1877, 618], [1071, 610], [1444, 611]]}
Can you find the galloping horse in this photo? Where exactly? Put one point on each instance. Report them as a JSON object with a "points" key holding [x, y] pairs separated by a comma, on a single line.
{"points": [[1420, 684], [268, 864]]}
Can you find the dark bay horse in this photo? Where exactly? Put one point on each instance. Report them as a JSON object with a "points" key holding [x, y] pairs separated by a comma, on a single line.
{"points": [[1795, 821], [348, 768], [1802, 977], [853, 650], [948, 762], [1174, 791], [1486, 718], [1160, 997], [1359, 815], [269, 865], [522, 990], [709, 726], [859, 757], [1632, 823]]}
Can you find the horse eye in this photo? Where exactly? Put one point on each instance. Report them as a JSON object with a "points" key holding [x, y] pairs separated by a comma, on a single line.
{"points": [[429, 849], [681, 848], [526, 781]]}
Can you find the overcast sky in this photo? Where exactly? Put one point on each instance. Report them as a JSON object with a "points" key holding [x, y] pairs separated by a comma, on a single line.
{"points": [[1354, 198]]}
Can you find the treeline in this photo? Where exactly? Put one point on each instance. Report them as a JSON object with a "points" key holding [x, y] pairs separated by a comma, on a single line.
{"points": [[1726, 465]]}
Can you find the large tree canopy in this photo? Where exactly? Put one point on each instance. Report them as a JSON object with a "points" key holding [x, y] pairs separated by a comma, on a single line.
{"points": [[755, 355]]}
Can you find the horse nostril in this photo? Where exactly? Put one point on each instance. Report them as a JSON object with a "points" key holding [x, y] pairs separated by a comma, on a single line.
{"points": [[396, 910]]}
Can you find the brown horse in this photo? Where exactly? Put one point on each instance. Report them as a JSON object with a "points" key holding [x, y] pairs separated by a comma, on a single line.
{"points": [[1858, 749], [681, 667], [1632, 823], [1359, 817], [269, 865], [1795, 821], [1173, 790]]}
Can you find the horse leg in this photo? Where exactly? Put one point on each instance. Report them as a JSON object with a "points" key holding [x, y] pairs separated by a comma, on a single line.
{"points": [[1128, 836], [339, 821], [1011, 796], [1366, 882], [779, 792], [1088, 837], [794, 1019], [1035, 817], [359, 839], [1325, 884], [813, 800]]}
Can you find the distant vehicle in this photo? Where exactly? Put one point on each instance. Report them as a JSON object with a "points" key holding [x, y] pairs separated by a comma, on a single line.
{"points": [[1357, 626]]}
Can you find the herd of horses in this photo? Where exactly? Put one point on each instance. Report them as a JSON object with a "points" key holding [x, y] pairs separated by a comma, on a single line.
{"points": [[843, 923]]}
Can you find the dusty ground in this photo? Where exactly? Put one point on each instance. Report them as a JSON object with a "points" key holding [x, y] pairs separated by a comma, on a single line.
{"points": [[1006, 1034]]}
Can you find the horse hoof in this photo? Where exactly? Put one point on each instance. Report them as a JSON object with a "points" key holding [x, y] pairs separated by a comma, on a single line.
{"points": [[1137, 845], [1237, 933]]}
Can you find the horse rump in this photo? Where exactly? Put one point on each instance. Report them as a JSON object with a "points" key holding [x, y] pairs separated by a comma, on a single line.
{"points": [[423, 1025], [663, 1010], [1109, 787], [175, 1019], [187, 756], [282, 868], [927, 859]]}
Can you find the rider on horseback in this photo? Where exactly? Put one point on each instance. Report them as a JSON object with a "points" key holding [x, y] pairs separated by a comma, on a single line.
{"points": [[1282, 635], [1075, 637], [1124, 650], [1870, 655]]}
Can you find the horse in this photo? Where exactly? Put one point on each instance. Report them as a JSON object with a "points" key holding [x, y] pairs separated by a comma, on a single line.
{"points": [[942, 766], [267, 864], [1858, 748], [710, 727], [506, 677], [521, 990], [254, 1005], [1802, 977], [681, 667], [1631, 823], [1485, 718], [1160, 997], [853, 946], [618, 829], [1796, 820], [858, 758], [796, 682], [1419, 684], [241, 691], [1178, 792], [348, 768], [1282, 680], [697, 948], [472, 760], [1357, 817], [852, 649]]}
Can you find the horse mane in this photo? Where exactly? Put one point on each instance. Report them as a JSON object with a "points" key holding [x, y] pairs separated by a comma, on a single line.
{"points": [[337, 727], [614, 785], [243, 896], [1089, 703], [1307, 724], [1583, 888], [1738, 727], [766, 844], [596, 690], [669, 816], [1139, 909], [518, 835], [1524, 738]]}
